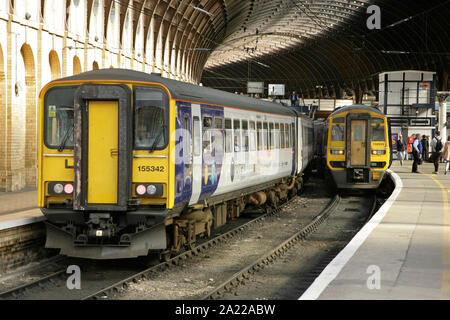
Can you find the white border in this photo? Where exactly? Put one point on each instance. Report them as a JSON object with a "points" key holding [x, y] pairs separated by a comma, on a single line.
{"points": [[20, 222], [334, 268]]}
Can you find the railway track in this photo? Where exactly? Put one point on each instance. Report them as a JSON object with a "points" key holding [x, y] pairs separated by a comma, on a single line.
{"points": [[48, 282], [338, 203], [104, 292]]}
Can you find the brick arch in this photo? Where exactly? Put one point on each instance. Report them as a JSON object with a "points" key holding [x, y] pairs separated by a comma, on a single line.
{"points": [[30, 116], [76, 65], [55, 66]]}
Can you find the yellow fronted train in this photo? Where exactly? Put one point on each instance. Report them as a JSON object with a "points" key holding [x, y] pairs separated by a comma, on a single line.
{"points": [[357, 147]]}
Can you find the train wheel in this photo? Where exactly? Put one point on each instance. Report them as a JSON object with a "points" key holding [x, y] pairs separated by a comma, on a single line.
{"points": [[164, 256]]}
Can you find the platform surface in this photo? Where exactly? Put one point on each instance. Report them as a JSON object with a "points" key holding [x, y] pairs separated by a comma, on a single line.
{"points": [[403, 252], [18, 209]]}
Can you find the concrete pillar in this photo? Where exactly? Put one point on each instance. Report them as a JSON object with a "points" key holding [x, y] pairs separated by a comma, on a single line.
{"points": [[442, 98], [443, 120]]}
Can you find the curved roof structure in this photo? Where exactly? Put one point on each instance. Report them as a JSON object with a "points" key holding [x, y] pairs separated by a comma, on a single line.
{"points": [[184, 91], [324, 47]]}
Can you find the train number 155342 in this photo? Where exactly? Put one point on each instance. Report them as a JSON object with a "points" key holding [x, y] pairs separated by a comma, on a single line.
{"points": [[151, 168]]}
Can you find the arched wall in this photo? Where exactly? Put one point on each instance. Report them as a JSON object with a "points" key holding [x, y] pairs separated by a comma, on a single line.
{"points": [[3, 131], [30, 116]]}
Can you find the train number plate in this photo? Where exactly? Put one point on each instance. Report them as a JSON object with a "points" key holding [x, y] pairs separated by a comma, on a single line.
{"points": [[151, 168]]}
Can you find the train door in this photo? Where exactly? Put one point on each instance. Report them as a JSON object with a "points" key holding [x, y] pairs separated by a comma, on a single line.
{"points": [[196, 153], [103, 152], [102, 147], [358, 134]]}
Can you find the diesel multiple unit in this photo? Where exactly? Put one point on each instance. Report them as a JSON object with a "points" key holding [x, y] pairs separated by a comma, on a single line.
{"points": [[131, 162]]}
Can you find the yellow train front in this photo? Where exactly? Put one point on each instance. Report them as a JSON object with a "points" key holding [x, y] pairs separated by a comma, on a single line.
{"points": [[358, 147]]}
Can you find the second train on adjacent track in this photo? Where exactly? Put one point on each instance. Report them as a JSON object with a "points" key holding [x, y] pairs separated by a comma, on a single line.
{"points": [[355, 146]]}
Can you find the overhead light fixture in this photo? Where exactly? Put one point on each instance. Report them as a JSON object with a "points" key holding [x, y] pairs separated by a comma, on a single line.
{"points": [[201, 10]]}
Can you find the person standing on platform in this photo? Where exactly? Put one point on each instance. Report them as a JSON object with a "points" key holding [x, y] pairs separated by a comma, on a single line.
{"points": [[436, 147], [294, 99], [416, 153], [425, 147], [446, 154], [400, 149]]}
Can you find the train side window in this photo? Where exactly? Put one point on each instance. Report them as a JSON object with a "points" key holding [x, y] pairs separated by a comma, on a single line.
{"points": [[196, 134], [271, 136], [266, 136], [259, 134], [218, 135], [237, 135], [252, 133], [282, 135], [228, 136], [207, 126], [286, 134], [245, 139], [277, 136], [292, 130], [186, 137]]}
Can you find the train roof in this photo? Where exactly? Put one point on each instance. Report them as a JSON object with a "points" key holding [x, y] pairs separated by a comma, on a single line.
{"points": [[356, 106], [186, 91]]}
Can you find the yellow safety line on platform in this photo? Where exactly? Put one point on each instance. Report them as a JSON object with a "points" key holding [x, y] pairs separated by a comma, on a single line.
{"points": [[446, 233]]}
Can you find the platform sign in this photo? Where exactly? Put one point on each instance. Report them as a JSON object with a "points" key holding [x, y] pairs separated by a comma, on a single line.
{"points": [[276, 90], [255, 87]]}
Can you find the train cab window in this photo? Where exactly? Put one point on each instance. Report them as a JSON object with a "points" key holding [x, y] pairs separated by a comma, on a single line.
{"points": [[228, 136], [282, 135], [259, 135], [237, 135], [252, 134], [196, 134], [150, 118], [266, 136], [59, 118], [378, 130], [338, 129], [207, 128], [245, 139]]}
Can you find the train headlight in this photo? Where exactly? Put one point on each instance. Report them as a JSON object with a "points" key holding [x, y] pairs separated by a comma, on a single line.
{"points": [[151, 189], [58, 188], [378, 152], [337, 152]]}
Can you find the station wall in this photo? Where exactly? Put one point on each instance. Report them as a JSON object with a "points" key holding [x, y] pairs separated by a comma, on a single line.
{"points": [[49, 39]]}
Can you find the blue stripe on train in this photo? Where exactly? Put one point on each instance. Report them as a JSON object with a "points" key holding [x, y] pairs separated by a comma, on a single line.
{"points": [[211, 162], [213, 157], [183, 177]]}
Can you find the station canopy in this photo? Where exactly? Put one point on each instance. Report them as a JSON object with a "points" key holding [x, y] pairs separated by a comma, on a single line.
{"points": [[322, 48]]}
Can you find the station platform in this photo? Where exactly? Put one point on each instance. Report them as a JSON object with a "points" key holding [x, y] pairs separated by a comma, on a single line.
{"points": [[18, 209], [403, 252]]}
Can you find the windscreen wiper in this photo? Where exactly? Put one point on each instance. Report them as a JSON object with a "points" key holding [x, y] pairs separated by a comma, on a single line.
{"points": [[156, 141], [63, 142]]}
